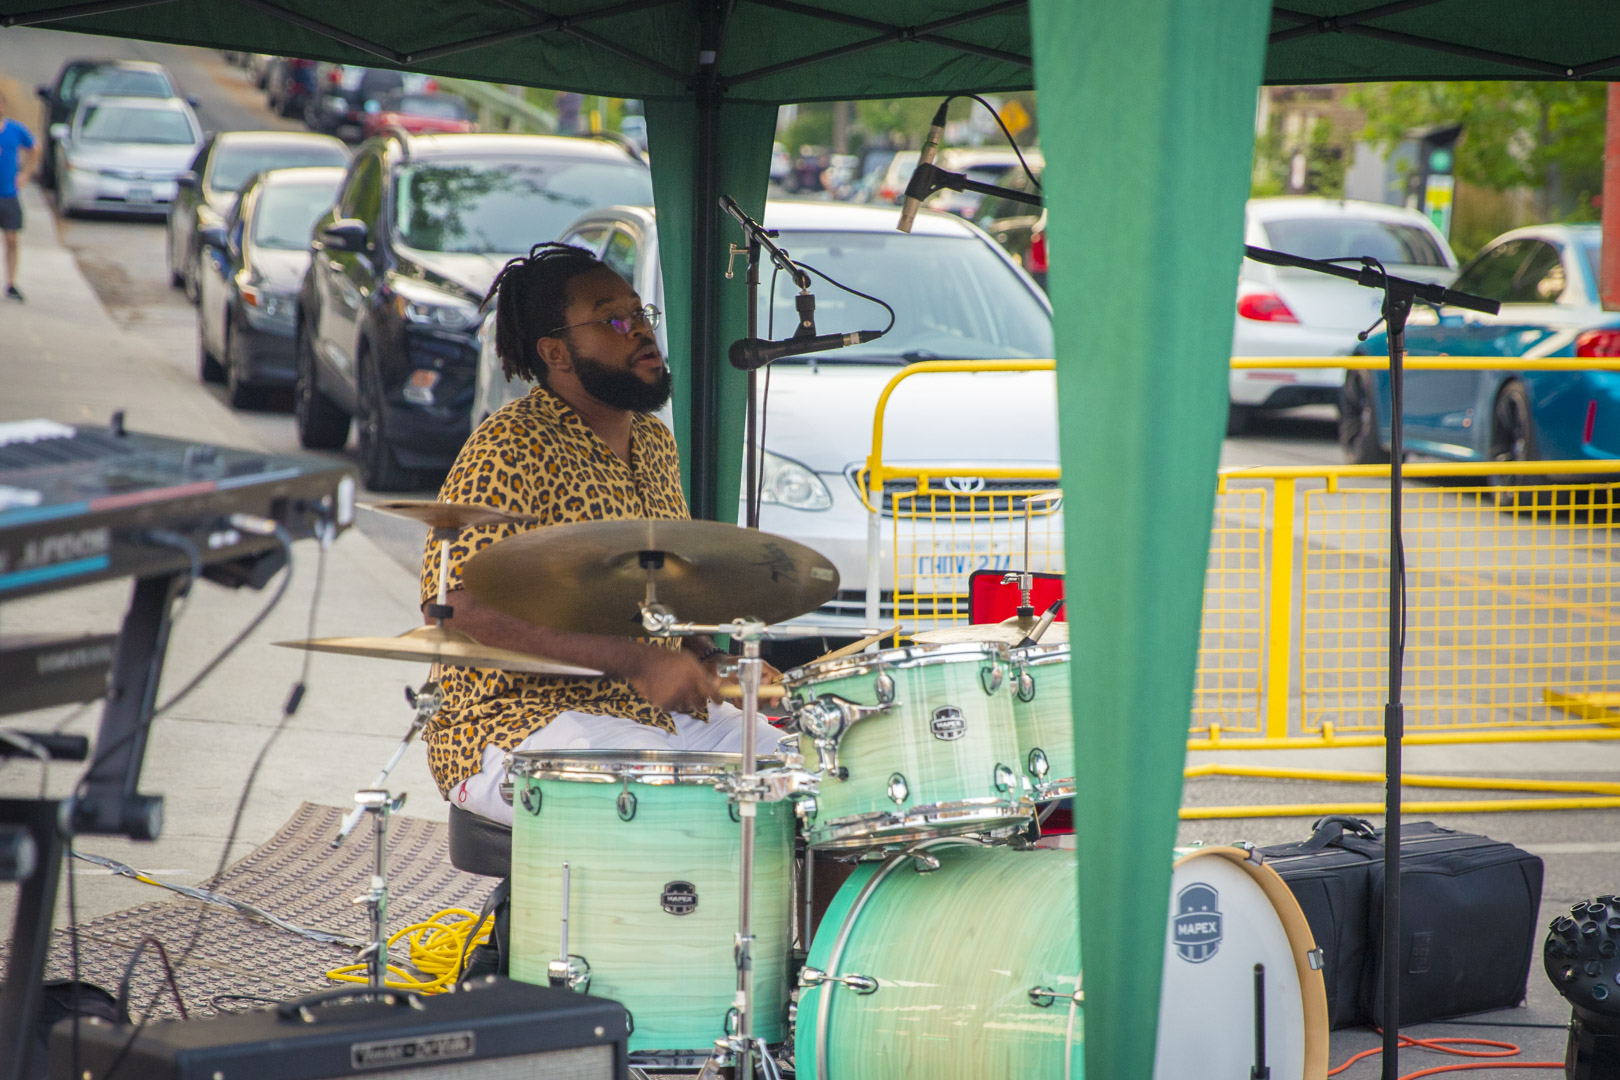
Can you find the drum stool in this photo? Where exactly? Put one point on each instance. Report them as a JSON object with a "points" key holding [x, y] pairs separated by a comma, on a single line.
{"points": [[479, 845]]}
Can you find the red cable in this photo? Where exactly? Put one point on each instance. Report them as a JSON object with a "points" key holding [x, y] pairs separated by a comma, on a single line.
{"points": [[1453, 1046]]}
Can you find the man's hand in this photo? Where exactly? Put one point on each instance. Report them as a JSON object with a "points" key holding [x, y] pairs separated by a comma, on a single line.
{"points": [[673, 679]]}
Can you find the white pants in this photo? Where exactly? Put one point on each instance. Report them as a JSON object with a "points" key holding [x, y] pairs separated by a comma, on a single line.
{"points": [[481, 793]]}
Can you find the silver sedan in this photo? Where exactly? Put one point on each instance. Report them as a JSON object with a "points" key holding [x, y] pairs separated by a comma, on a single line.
{"points": [[123, 154]]}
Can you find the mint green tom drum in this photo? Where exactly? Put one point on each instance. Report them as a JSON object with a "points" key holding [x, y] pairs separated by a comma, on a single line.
{"points": [[1043, 713], [653, 854], [910, 743]]}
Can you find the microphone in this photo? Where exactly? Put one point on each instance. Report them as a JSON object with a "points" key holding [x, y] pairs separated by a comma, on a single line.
{"points": [[916, 190], [750, 354]]}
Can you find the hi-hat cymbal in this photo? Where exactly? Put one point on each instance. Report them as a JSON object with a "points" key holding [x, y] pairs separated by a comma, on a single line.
{"points": [[449, 515], [439, 645], [589, 576], [1008, 633]]}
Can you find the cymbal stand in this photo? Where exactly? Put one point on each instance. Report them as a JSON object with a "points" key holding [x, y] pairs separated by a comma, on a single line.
{"points": [[442, 610], [1025, 580], [383, 805], [426, 699]]}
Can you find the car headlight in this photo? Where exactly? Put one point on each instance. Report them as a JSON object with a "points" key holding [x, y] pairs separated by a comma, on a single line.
{"points": [[785, 482], [272, 305], [427, 308]]}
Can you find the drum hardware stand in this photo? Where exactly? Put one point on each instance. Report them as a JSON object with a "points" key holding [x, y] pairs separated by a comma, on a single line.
{"points": [[426, 700], [1025, 579], [383, 805], [1260, 1071], [573, 972]]}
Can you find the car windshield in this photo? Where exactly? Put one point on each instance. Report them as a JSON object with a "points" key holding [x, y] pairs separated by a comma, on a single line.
{"points": [[123, 82], [434, 106], [505, 207], [1338, 237], [133, 124], [285, 214], [954, 298], [232, 165]]}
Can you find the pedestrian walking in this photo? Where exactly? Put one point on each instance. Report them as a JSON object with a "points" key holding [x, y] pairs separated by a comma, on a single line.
{"points": [[17, 160]]}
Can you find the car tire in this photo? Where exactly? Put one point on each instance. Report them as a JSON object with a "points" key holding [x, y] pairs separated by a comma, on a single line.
{"points": [[1513, 439], [380, 469], [188, 277], [176, 279], [1238, 418], [241, 393], [322, 423], [209, 369], [1358, 421]]}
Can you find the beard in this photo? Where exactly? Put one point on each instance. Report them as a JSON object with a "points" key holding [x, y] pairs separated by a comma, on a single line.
{"points": [[618, 388]]}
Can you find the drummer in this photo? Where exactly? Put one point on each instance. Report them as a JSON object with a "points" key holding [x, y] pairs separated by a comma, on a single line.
{"points": [[583, 445]]}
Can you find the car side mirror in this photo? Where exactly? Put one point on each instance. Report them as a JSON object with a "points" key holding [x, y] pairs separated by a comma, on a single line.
{"points": [[193, 100], [213, 236], [44, 92], [59, 132], [187, 179], [345, 234]]}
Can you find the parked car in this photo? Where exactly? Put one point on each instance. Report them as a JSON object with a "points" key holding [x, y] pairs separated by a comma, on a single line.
{"points": [[389, 307], [209, 185], [337, 105], [972, 303], [289, 83], [1287, 312], [129, 78], [253, 264], [1017, 227], [419, 114], [1546, 278], [124, 154], [999, 167]]}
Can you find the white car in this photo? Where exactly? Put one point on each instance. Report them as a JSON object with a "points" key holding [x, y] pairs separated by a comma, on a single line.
{"points": [[124, 154], [956, 295], [1286, 312]]}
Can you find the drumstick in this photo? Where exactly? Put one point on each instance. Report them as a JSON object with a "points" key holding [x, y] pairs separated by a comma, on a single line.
{"points": [[855, 647], [772, 692]]}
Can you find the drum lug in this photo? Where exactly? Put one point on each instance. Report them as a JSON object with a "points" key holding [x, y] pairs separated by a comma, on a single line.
{"points": [[922, 862], [806, 807], [626, 803], [1038, 765], [1042, 997], [531, 799], [1003, 777], [1317, 959], [1026, 686], [573, 973], [990, 678], [861, 984], [884, 686], [506, 792], [899, 791]]}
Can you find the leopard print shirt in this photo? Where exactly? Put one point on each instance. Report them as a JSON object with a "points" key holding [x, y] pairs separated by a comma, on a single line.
{"points": [[537, 456]]}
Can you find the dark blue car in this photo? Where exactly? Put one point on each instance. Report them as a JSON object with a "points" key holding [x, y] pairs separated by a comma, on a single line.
{"points": [[1546, 278]]}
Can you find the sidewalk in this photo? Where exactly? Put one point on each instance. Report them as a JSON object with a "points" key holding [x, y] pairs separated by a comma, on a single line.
{"points": [[64, 358]]}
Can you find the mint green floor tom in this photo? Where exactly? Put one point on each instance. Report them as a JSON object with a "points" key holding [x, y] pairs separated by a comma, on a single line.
{"points": [[1044, 716]]}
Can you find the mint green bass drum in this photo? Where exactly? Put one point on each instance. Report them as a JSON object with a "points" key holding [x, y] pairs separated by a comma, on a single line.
{"points": [[911, 744], [652, 852], [1044, 716]]}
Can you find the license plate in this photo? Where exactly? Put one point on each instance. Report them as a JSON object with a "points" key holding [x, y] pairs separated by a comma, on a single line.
{"points": [[141, 193]]}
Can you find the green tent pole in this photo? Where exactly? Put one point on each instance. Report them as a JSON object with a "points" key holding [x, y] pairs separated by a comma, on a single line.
{"points": [[1147, 120]]}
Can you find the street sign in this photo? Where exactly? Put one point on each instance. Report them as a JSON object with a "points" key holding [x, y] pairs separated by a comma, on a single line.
{"points": [[1016, 117]]}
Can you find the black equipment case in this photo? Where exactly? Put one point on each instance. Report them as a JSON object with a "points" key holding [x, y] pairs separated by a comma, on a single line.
{"points": [[491, 1029], [1469, 912]]}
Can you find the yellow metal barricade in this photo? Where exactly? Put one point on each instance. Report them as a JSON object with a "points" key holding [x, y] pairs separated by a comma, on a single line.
{"points": [[1512, 589]]}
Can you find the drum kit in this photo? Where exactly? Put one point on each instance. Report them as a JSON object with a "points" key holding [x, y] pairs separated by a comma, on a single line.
{"points": [[681, 884]]}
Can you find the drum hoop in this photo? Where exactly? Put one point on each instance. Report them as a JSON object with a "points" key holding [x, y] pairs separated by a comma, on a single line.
{"points": [[1313, 988], [634, 766], [908, 656], [990, 812], [1038, 655]]}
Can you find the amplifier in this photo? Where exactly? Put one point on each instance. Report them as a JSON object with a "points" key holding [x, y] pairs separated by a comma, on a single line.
{"points": [[489, 1029]]}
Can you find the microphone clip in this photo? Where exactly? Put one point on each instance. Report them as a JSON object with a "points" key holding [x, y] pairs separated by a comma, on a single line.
{"points": [[805, 302]]}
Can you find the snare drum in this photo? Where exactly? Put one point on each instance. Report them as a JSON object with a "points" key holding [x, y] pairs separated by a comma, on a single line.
{"points": [[958, 961], [653, 853], [1043, 714], [911, 743]]}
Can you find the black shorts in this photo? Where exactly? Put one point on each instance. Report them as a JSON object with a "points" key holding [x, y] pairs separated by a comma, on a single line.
{"points": [[10, 213]]}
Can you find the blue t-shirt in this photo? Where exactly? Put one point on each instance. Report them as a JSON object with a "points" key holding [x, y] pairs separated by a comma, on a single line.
{"points": [[13, 137]]}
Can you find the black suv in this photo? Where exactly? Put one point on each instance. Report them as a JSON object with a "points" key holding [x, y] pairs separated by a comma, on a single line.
{"points": [[388, 313]]}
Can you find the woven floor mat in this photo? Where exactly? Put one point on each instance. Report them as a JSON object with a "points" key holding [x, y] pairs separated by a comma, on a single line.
{"points": [[296, 876]]}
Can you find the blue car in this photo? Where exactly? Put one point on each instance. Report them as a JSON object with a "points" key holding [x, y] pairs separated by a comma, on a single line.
{"points": [[1546, 278]]}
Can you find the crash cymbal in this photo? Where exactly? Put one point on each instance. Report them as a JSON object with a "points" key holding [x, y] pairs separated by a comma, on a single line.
{"points": [[439, 645], [449, 515], [1008, 633], [589, 576]]}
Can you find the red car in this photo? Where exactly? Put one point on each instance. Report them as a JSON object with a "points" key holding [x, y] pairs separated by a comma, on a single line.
{"points": [[419, 114]]}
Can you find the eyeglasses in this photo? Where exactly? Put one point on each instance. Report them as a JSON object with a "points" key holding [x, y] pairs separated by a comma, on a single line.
{"points": [[625, 324]]}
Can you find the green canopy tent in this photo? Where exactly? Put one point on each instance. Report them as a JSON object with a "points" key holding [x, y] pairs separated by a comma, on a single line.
{"points": [[1147, 110]]}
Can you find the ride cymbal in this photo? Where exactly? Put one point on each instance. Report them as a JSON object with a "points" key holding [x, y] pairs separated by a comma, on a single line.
{"points": [[592, 576], [440, 645], [1008, 633], [448, 515]]}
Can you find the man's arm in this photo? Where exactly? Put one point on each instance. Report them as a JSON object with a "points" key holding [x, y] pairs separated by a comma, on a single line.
{"points": [[27, 158], [670, 679]]}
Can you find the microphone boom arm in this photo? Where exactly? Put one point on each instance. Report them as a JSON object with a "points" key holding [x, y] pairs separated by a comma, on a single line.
{"points": [[759, 234]]}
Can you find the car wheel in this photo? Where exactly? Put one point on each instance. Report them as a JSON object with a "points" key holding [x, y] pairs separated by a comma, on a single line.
{"points": [[1358, 421], [243, 394], [176, 279], [1238, 418], [189, 268], [1513, 439], [322, 424], [209, 369], [380, 469]]}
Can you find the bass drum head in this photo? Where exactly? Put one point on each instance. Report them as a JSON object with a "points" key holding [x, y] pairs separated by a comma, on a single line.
{"points": [[1228, 914]]}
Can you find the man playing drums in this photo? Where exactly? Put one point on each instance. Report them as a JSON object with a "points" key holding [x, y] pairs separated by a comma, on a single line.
{"points": [[582, 446]]}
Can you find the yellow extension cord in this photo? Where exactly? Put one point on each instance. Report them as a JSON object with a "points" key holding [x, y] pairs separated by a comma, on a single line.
{"points": [[436, 948]]}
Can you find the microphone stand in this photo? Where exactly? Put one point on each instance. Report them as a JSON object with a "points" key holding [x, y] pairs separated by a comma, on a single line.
{"points": [[1399, 295], [759, 239]]}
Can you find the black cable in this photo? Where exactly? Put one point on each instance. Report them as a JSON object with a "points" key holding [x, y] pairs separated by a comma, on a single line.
{"points": [[294, 698], [168, 973], [999, 123], [835, 283]]}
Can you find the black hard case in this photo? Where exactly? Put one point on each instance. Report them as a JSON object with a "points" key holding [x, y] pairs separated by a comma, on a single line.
{"points": [[1469, 911]]}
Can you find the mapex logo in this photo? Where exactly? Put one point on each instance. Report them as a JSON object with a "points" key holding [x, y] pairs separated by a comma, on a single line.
{"points": [[1197, 923], [948, 723], [964, 485], [680, 898]]}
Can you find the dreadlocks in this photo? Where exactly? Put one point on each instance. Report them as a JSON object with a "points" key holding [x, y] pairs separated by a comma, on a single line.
{"points": [[530, 294]]}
